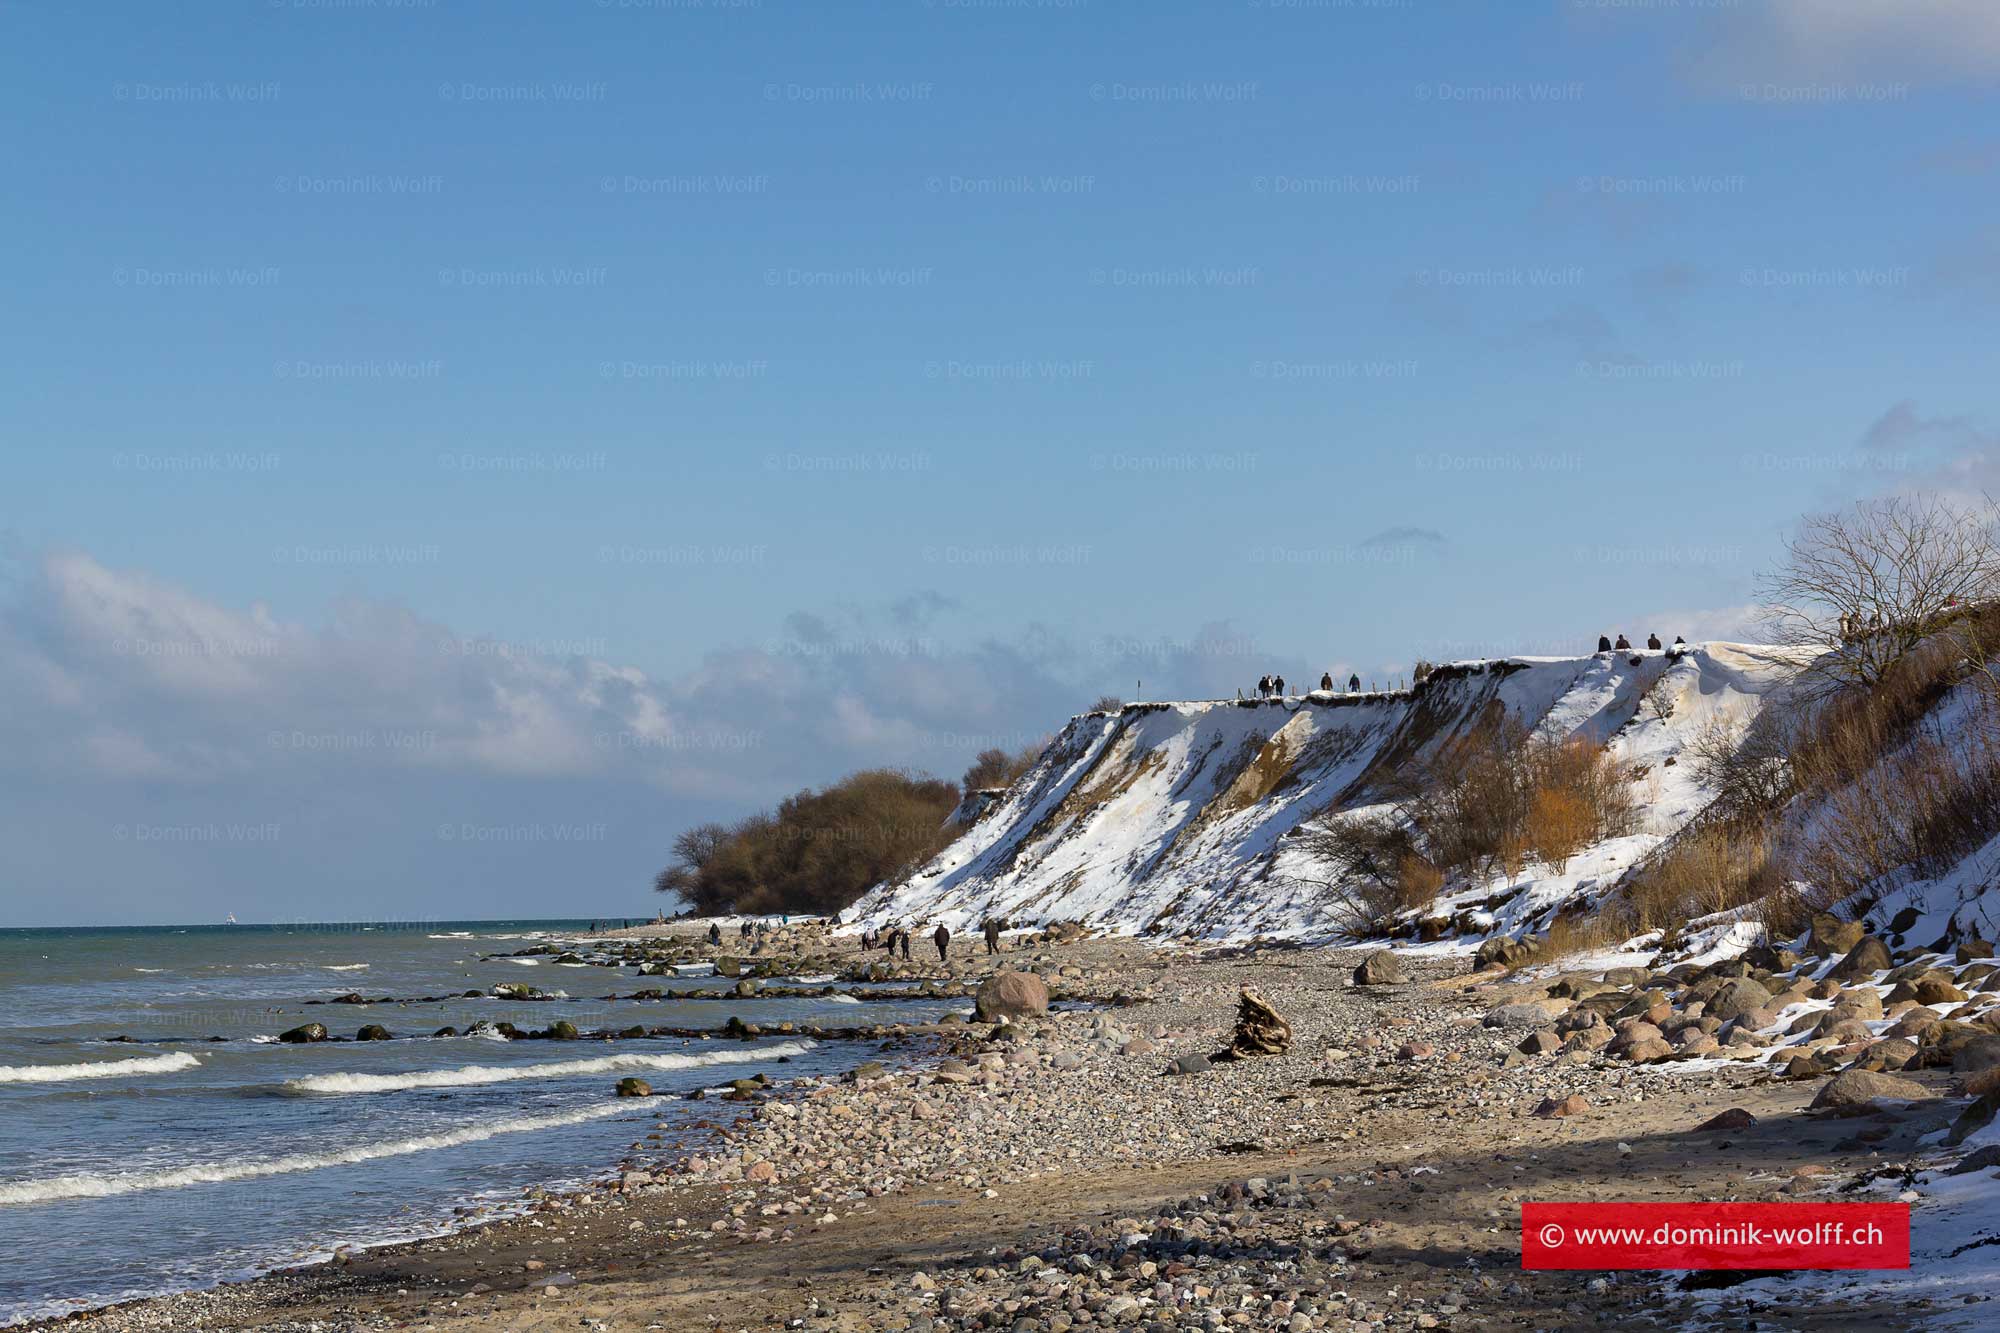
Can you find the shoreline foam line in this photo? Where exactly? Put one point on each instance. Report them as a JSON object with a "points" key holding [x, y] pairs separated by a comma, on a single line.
{"points": [[91, 1186], [472, 1076], [152, 1064]]}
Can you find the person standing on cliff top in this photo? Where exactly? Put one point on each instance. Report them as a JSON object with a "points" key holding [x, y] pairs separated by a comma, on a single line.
{"points": [[942, 938], [1326, 681], [1652, 641], [1623, 643], [1354, 684], [1278, 687], [1603, 643], [1263, 687]]}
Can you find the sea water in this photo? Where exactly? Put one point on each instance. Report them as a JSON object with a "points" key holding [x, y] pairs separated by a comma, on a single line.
{"points": [[172, 1160]]}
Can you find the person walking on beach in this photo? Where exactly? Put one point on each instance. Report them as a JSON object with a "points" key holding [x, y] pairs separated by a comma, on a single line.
{"points": [[905, 941], [714, 935], [992, 932], [942, 938], [887, 939]]}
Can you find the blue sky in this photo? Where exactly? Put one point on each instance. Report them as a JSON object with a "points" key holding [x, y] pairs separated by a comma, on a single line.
{"points": [[404, 402]]}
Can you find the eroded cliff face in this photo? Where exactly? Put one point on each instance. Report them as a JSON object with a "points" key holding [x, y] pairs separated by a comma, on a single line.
{"points": [[1178, 818]]}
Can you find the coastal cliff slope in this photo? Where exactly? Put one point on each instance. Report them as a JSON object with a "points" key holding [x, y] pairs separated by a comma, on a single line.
{"points": [[1181, 818]]}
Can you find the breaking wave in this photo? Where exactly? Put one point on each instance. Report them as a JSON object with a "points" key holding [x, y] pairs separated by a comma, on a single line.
{"points": [[99, 1186], [472, 1076], [152, 1064]]}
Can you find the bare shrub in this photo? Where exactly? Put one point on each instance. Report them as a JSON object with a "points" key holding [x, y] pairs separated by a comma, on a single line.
{"points": [[1559, 826], [1922, 809], [1747, 764], [1709, 868], [1377, 869]]}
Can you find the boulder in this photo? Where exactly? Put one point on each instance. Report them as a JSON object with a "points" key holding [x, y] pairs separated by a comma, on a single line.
{"points": [[1415, 1050], [1647, 1050], [305, 1032], [1868, 956], [634, 1087], [1975, 1117], [1733, 1119], [1526, 1014], [1972, 949], [1551, 1109], [1381, 968], [1540, 1043], [563, 1030], [1196, 1063], [1010, 994], [1975, 1055], [1739, 995], [1857, 1089], [1501, 952], [372, 1032], [1887, 1054], [1260, 1030], [1830, 936]]}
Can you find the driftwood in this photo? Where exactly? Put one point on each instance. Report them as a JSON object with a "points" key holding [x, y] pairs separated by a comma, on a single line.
{"points": [[1260, 1029]]}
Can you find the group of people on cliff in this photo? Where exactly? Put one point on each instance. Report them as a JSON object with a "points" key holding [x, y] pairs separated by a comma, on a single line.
{"points": [[1273, 687], [1605, 645], [890, 939]]}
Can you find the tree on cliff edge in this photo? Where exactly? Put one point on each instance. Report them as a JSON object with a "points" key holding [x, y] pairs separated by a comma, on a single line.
{"points": [[1878, 578]]}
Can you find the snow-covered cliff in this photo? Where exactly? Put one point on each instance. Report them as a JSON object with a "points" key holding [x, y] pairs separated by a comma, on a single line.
{"points": [[1179, 818]]}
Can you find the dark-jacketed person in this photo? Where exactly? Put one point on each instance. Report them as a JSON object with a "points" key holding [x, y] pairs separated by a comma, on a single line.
{"points": [[942, 938], [992, 933]]}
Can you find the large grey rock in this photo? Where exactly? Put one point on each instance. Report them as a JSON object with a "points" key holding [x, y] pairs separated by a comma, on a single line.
{"points": [[1737, 996], [1867, 957], [1381, 968], [304, 1033], [1010, 994], [1853, 1089]]}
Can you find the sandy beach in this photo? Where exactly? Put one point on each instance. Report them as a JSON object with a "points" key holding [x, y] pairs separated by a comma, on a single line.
{"points": [[1060, 1178]]}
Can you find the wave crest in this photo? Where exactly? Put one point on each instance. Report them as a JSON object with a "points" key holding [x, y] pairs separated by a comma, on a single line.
{"points": [[472, 1076], [152, 1064]]}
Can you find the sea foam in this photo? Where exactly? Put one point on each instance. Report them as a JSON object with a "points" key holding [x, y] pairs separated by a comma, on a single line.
{"points": [[152, 1064], [472, 1076], [99, 1186]]}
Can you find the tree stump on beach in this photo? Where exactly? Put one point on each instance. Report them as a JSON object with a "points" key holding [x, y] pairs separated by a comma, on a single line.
{"points": [[1260, 1029]]}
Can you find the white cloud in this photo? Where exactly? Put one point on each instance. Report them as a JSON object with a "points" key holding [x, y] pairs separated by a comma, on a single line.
{"points": [[1828, 41]]}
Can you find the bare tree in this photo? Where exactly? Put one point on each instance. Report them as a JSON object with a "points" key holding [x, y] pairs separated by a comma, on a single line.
{"points": [[1873, 581]]}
